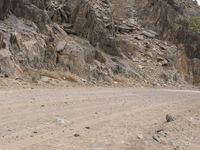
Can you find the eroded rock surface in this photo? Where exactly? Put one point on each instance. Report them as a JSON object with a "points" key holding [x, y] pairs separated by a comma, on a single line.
{"points": [[100, 40]]}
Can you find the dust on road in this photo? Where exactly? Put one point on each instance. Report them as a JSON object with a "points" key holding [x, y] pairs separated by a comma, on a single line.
{"points": [[98, 119]]}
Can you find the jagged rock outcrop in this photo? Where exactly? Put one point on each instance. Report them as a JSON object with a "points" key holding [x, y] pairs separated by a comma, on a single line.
{"points": [[171, 19], [99, 40]]}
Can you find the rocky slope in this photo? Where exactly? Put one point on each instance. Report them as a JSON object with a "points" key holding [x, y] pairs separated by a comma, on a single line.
{"points": [[100, 40]]}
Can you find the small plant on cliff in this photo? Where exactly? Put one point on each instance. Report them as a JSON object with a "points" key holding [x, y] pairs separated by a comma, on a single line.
{"points": [[194, 24]]}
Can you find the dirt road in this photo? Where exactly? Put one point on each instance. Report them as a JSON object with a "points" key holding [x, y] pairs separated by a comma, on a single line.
{"points": [[99, 119]]}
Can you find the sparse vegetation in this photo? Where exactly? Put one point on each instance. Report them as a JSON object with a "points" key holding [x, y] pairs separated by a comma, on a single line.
{"points": [[59, 75], [35, 76], [68, 76], [50, 74], [194, 24]]}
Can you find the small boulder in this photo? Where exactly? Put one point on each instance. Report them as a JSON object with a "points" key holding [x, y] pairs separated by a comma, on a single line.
{"points": [[140, 136], [170, 118]]}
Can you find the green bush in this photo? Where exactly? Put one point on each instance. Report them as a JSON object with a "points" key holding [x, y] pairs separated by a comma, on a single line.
{"points": [[194, 24]]}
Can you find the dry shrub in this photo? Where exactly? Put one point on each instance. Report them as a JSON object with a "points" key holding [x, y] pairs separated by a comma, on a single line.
{"points": [[34, 76], [68, 76], [50, 74]]}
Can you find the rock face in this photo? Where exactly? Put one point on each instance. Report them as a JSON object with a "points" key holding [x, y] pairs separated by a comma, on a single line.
{"points": [[4, 8], [171, 19], [100, 40]]}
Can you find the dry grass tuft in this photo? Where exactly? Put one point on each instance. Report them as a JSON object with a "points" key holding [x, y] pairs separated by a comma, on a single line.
{"points": [[35, 76]]}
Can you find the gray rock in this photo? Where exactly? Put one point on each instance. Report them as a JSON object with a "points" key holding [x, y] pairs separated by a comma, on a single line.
{"points": [[149, 34], [60, 46], [4, 8], [170, 118], [56, 35]]}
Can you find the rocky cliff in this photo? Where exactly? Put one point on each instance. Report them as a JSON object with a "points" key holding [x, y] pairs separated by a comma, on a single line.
{"points": [[132, 41]]}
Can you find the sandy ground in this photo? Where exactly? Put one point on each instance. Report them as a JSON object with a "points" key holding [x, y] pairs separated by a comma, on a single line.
{"points": [[99, 119]]}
